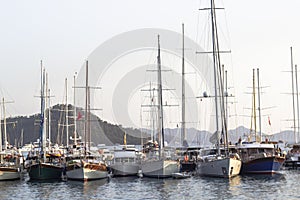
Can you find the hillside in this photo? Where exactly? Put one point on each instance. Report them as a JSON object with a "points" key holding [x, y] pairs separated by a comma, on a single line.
{"points": [[103, 132]]}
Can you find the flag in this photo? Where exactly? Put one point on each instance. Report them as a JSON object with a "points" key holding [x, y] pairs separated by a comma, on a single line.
{"points": [[269, 120], [79, 116]]}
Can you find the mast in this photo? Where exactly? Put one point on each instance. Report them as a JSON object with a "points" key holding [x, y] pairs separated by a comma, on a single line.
{"points": [[160, 106], [46, 123], [49, 123], [89, 118], [152, 116], [259, 110], [183, 130], [42, 110], [296, 77], [67, 113], [293, 96], [86, 102], [4, 124], [215, 57], [74, 114], [226, 107], [87, 109], [253, 104]]}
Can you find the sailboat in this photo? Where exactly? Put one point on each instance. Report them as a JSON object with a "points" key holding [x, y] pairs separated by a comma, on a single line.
{"points": [[258, 157], [85, 165], [293, 155], [10, 167], [158, 162], [187, 154], [43, 166], [215, 163]]}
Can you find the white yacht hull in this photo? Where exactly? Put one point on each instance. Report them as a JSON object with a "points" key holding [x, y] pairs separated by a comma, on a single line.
{"points": [[85, 174], [9, 174], [219, 167], [125, 169], [159, 168]]}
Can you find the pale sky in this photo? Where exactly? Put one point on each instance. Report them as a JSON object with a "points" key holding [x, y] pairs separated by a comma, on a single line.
{"points": [[64, 33]]}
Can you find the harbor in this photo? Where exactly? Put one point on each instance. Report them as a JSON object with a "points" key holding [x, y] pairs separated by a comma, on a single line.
{"points": [[148, 110], [281, 186]]}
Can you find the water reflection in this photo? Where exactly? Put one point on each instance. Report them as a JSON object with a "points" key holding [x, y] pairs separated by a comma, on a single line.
{"points": [[87, 188], [278, 186], [235, 181]]}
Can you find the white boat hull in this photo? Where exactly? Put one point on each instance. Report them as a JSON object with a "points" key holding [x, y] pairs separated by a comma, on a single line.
{"points": [[159, 168], [221, 167], [9, 174], [125, 169], [85, 174]]}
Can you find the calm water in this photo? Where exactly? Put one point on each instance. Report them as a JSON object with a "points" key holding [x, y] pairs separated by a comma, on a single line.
{"points": [[280, 186]]}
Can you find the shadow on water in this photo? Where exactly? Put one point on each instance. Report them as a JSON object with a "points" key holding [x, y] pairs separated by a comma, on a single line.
{"points": [[84, 189], [278, 177], [278, 186], [124, 179], [168, 188], [260, 186]]}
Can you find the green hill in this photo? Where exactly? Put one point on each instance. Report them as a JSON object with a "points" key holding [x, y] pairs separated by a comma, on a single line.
{"points": [[102, 132]]}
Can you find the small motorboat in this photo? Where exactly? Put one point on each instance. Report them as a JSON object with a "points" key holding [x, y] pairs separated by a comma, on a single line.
{"points": [[181, 175]]}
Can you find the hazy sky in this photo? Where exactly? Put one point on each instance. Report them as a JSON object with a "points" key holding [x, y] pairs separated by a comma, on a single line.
{"points": [[64, 33]]}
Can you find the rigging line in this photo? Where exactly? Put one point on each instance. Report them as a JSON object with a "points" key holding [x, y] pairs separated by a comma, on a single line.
{"points": [[220, 82]]}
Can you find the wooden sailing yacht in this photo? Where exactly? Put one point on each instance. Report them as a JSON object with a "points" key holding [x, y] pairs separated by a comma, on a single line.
{"points": [[85, 165], [43, 166], [10, 168], [158, 162], [218, 164]]}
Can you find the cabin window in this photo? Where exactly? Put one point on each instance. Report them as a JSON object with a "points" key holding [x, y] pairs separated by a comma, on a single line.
{"points": [[252, 151]]}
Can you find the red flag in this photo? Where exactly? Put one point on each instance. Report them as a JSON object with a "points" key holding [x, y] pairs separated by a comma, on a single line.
{"points": [[269, 120], [79, 116]]}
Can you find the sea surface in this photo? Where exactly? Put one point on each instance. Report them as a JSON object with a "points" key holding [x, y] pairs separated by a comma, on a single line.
{"points": [[280, 186]]}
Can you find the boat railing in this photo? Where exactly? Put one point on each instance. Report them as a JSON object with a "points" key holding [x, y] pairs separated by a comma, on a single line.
{"points": [[124, 160]]}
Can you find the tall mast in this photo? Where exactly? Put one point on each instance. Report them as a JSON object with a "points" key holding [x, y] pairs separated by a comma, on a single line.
{"points": [[259, 109], [224, 72], [152, 115], [183, 130], [297, 95], [49, 120], [89, 118], [45, 88], [67, 113], [293, 96], [160, 105], [86, 106], [74, 114], [215, 57], [226, 107], [4, 124], [42, 110], [46, 123], [254, 104]]}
